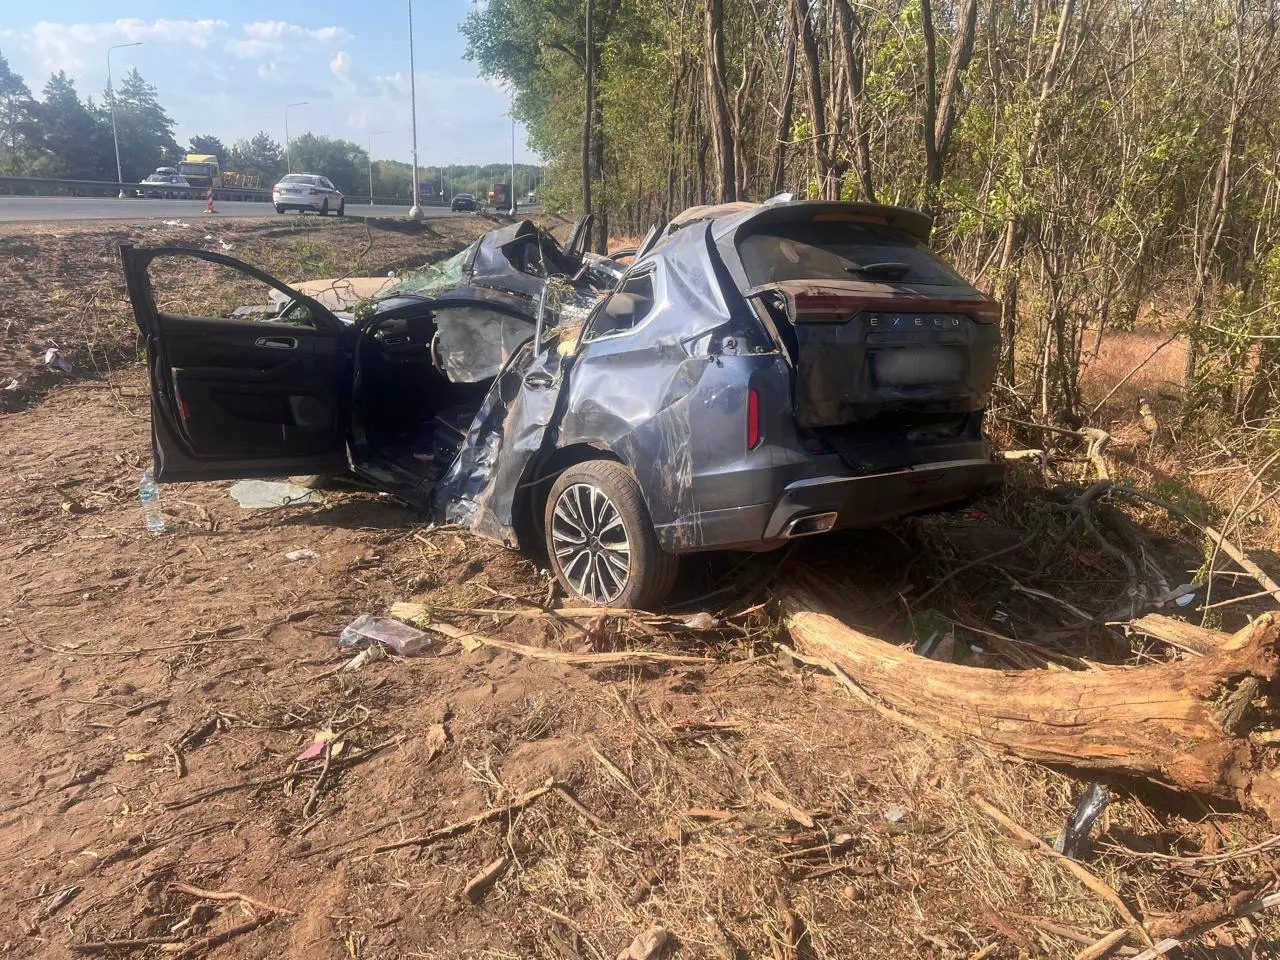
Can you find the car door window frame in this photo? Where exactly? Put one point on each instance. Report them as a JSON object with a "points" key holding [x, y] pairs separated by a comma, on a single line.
{"points": [[590, 335], [325, 321]]}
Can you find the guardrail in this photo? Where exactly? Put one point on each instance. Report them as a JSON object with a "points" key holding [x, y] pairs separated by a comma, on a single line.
{"points": [[55, 187]]}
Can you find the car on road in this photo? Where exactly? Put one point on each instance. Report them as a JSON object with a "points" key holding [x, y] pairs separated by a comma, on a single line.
{"points": [[161, 185], [757, 373], [308, 191], [464, 201]]}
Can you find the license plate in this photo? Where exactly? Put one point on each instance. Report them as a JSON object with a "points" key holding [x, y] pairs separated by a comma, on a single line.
{"points": [[917, 366]]}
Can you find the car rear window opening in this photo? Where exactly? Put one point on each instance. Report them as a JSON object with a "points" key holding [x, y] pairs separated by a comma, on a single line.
{"points": [[840, 250]]}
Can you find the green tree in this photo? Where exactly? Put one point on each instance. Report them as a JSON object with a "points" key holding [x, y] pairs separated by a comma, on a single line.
{"points": [[17, 120], [73, 141], [343, 162], [143, 129], [259, 158], [209, 144]]}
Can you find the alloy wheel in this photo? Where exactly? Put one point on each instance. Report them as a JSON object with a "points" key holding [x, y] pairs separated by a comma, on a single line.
{"points": [[590, 542]]}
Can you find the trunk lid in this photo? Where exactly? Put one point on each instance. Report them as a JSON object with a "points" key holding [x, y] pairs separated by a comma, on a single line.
{"points": [[864, 349], [877, 324]]}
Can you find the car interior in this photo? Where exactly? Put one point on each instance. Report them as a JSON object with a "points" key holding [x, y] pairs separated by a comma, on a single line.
{"points": [[424, 375]]}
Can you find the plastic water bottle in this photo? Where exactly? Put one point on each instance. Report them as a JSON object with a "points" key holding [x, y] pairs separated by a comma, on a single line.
{"points": [[149, 496]]}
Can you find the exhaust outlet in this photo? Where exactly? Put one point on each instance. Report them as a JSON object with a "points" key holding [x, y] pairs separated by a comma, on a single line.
{"points": [[809, 524]]}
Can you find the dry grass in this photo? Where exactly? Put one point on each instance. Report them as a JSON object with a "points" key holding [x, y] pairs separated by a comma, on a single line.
{"points": [[1158, 380]]}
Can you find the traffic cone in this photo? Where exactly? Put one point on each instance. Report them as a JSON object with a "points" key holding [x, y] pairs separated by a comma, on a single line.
{"points": [[208, 206]]}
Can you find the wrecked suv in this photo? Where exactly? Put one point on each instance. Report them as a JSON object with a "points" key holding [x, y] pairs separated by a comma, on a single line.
{"points": [[755, 374]]}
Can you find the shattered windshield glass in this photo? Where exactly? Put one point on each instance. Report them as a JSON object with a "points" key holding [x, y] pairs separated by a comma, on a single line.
{"points": [[435, 277], [473, 343]]}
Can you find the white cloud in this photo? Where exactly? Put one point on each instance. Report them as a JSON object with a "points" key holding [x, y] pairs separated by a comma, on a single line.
{"points": [[73, 46], [266, 37]]}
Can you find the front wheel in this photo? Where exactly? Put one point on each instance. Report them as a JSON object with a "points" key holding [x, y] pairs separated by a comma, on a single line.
{"points": [[342, 208], [600, 538], [279, 208]]}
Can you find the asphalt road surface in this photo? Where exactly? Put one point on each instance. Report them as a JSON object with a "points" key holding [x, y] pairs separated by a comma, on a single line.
{"points": [[13, 209]]}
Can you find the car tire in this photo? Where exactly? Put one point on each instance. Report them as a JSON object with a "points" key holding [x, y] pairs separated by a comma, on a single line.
{"points": [[324, 207], [279, 208], [619, 529], [342, 208]]}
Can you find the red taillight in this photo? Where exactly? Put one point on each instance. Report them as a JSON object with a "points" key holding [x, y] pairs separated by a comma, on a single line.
{"points": [[184, 411], [988, 311], [824, 308], [315, 193], [753, 418]]}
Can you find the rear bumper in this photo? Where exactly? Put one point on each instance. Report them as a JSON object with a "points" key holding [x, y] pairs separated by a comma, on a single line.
{"points": [[875, 499], [819, 504], [296, 203]]}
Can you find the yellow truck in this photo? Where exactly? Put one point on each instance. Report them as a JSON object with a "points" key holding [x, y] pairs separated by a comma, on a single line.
{"points": [[200, 170]]}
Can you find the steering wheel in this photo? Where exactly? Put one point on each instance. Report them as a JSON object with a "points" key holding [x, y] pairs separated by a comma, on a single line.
{"points": [[435, 352]]}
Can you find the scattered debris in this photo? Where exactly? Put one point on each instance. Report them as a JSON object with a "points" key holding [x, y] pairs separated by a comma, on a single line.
{"points": [[269, 494], [1075, 835], [646, 945], [365, 657], [175, 223], [472, 640], [894, 814], [228, 895], [462, 826], [479, 885], [318, 745], [400, 638], [305, 554], [702, 621], [52, 358]]}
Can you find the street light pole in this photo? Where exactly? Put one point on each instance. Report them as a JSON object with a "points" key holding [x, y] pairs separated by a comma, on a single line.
{"points": [[111, 90], [371, 136], [288, 152], [415, 212], [513, 152]]}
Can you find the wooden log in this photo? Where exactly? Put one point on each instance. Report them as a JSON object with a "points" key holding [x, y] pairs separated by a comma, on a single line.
{"points": [[1163, 722], [1179, 633]]}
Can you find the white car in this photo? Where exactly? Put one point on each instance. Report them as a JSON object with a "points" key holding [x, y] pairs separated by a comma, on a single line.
{"points": [[308, 191]]}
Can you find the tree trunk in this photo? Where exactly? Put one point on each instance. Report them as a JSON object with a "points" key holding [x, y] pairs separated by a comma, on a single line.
{"points": [[1011, 242], [817, 104], [718, 103], [778, 160], [851, 42], [1175, 723], [940, 113], [587, 108], [932, 162]]}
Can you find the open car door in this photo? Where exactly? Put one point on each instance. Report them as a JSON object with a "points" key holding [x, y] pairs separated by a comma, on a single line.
{"points": [[579, 238], [259, 386]]}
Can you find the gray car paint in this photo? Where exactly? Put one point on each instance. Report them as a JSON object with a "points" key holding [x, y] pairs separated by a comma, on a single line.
{"points": [[668, 399]]}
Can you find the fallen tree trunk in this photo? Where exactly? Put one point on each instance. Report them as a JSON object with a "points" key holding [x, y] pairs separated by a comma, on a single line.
{"points": [[1178, 724]]}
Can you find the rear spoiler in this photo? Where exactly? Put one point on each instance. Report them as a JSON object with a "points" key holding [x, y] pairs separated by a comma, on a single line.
{"points": [[915, 222]]}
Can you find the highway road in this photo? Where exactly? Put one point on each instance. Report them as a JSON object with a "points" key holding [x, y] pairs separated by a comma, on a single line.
{"points": [[16, 209]]}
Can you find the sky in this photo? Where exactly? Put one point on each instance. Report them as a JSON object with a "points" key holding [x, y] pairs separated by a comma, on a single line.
{"points": [[232, 72]]}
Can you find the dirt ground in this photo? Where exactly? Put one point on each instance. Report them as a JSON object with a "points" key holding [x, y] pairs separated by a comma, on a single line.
{"points": [[158, 692]]}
